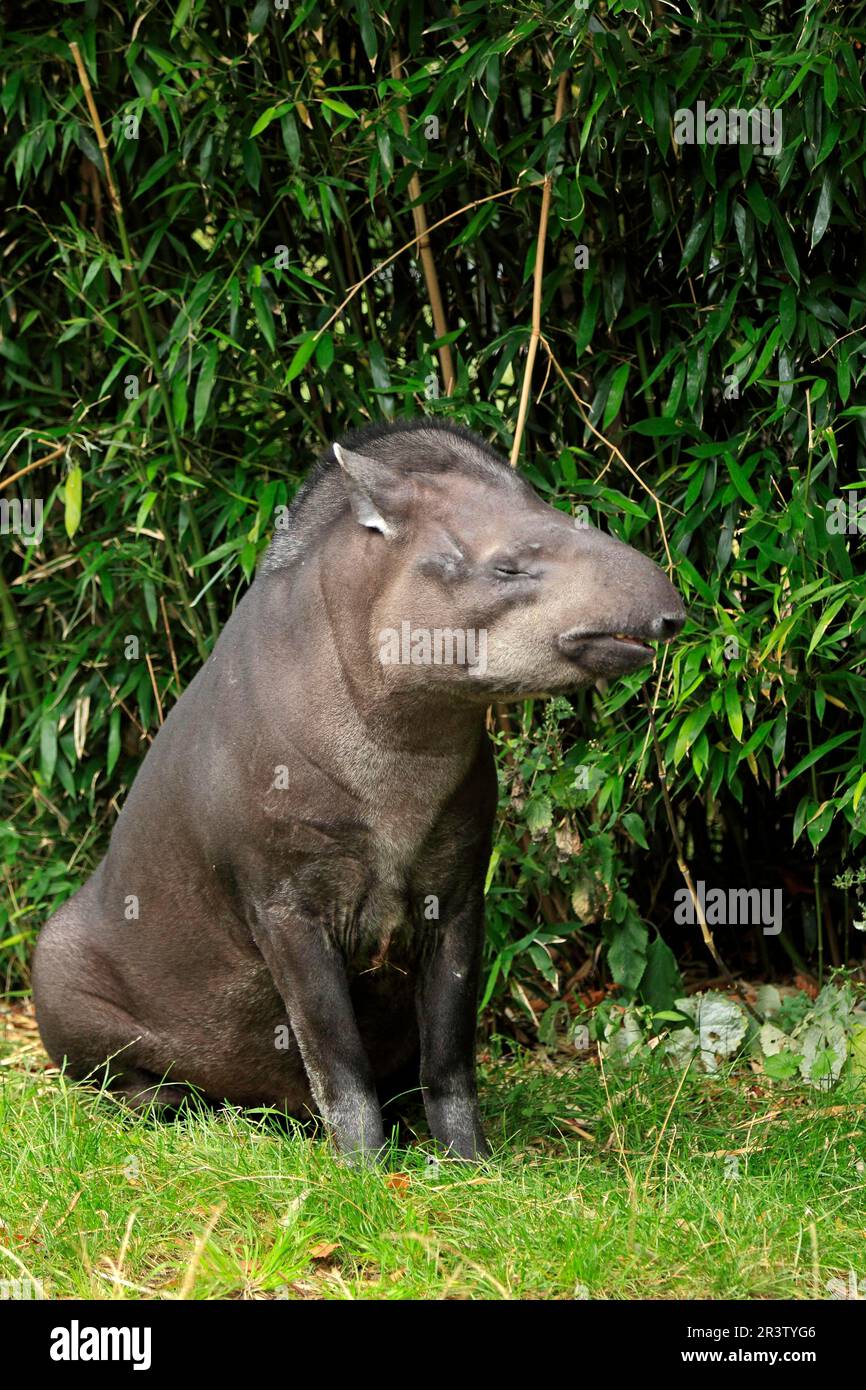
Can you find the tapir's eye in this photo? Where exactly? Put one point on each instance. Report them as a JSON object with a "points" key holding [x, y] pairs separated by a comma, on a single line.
{"points": [[506, 570]]}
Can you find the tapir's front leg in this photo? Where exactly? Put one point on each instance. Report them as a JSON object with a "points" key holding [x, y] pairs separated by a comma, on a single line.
{"points": [[447, 1002], [310, 975]]}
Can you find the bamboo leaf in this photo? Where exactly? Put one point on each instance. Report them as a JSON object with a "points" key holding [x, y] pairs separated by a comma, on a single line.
{"points": [[72, 504]]}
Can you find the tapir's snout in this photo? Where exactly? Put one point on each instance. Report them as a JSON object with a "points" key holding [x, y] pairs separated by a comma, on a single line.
{"points": [[616, 645]]}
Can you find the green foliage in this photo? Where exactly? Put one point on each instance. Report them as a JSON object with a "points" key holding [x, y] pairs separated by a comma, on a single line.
{"points": [[229, 1205], [713, 325], [820, 1042]]}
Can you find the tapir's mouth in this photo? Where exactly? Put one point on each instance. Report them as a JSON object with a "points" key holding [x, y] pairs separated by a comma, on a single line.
{"points": [[605, 653]]}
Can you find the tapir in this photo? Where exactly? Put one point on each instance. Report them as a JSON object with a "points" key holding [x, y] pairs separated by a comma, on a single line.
{"points": [[291, 910]]}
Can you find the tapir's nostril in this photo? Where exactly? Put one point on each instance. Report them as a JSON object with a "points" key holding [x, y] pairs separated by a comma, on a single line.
{"points": [[667, 625]]}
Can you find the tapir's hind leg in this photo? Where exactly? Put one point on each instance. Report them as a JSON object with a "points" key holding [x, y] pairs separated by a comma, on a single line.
{"points": [[108, 1032], [82, 1029]]}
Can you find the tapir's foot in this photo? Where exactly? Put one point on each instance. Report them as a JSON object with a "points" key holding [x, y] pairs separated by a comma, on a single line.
{"points": [[456, 1124]]}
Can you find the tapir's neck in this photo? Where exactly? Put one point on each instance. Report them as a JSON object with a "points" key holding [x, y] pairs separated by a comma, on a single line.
{"points": [[426, 720], [322, 617]]}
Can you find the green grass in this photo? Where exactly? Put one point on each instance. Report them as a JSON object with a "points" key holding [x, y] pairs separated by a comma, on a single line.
{"points": [[100, 1204]]}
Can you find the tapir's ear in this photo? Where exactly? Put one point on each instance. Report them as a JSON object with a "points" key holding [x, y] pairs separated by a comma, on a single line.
{"points": [[372, 488]]}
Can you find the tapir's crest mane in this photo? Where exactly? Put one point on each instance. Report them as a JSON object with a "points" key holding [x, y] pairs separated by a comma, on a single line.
{"points": [[434, 446]]}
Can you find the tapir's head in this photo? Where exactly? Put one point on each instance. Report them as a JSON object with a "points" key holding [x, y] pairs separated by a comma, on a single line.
{"points": [[467, 578]]}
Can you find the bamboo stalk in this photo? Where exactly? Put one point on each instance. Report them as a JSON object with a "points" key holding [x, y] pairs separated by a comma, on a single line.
{"points": [[165, 624], [407, 246], [150, 340], [37, 463], [152, 673], [431, 279], [537, 285]]}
